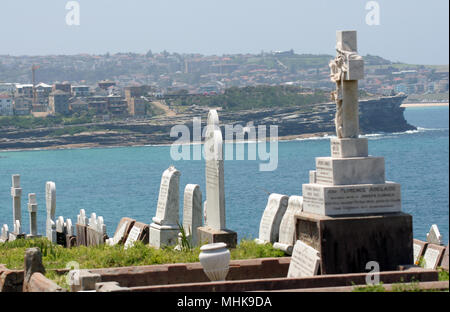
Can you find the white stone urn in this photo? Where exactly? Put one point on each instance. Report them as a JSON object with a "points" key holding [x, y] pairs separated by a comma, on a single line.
{"points": [[215, 259]]}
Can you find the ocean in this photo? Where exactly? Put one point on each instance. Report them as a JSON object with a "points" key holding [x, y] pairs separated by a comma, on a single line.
{"points": [[124, 181]]}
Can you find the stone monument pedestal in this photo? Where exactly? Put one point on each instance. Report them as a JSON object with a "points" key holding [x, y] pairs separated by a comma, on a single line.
{"points": [[210, 236], [163, 235], [347, 243]]}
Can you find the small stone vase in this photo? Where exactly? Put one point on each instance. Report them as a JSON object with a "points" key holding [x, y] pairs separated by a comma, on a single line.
{"points": [[215, 259]]}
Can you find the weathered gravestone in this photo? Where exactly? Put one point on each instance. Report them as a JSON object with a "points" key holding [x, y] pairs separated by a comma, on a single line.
{"points": [[305, 261], [71, 239], [82, 223], [61, 232], [17, 232], [444, 262], [270, 222], [139, 232], [419, 248], [192, 212], [434, 236], [5, 234], [164, 229], [286, 239], [16, 193], [96, 231], [123, 229], [433, 256], [215, 230], [32, 209], [50, 201]]}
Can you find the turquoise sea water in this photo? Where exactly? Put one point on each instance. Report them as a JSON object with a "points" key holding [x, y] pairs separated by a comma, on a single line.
{"points": [[119, 182]]}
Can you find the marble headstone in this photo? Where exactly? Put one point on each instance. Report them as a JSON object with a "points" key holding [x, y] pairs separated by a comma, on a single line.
{"points": [[305, 261], [50, 201], [164, 229], [81, 226], [273, 214], [5, 233], [215, 183], [139, 232], [434, 236], [69, 227], [123, 228], [132, 237], [419, 248], [286, 239], [32, 210], [96, 230], [192, 211]]}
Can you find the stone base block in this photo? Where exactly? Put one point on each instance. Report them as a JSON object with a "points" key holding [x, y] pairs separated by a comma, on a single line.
{"points": [[344, 148], [351, 199], [347, 244], [29, 236], [347, 171], [209, 236], [163, 235]]}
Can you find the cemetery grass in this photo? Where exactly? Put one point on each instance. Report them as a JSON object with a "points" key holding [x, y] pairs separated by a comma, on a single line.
{"points": [[104, 256]]}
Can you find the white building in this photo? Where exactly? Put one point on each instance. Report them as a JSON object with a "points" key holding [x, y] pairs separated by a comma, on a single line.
{"points": [[6, 105], [6, 87]]}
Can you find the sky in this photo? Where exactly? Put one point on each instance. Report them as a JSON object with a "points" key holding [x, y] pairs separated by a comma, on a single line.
{"points": [[410, 31]]}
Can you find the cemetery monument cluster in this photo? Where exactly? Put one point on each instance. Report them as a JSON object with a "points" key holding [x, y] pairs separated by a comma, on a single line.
{"points": [[165, 228], [348, 214]]}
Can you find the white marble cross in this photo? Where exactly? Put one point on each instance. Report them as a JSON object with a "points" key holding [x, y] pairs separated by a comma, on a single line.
{"points": [[346, 69], [16, 193]]}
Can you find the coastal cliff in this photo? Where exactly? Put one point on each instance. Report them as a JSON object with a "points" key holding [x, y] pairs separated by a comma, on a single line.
{"points": [[376, 115]]}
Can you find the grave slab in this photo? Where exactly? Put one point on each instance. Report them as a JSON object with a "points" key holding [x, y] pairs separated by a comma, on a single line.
{"points": [[304, 262], [419, 250], [139, 232], [433, 256]]}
